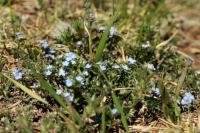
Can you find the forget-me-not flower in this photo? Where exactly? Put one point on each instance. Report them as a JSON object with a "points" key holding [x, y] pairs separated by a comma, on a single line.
{"points": [[58, 45], [58, 91], [116, 67], [102, 67], [102, 29], [88, 66], [79, 78], [114, 111], [61, 72], [48, 72], [155, 91], [44, 43], [131, 60], [65, 63], [125, 67], [68, 96], [17, 74], [113, 32], [85, 73], [70, 56], [151, 67], [188, 98], [147, 45], [69, 82]]}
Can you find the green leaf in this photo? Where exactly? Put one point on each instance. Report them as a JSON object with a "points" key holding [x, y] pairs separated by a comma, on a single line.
{"points": [[26, 90], [104, 38], [120, 109]]}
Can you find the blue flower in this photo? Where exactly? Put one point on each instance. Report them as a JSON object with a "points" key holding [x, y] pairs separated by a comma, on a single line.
{"points": [[188, 98], [113, 32], [61, 72], [65, 63], [155, 91], [79, 78], [44, 43], [85, 73], [49, 67], [58, 45], [147, 45], [48, 72], [35, 85], [17, 74], [116, 66], [88, 66], [50, 56], [131, 60], [73, 62], [68, 96], [69, 82], [20, 35], [102, 29], [151, 67], [70, 56], [51, 51], [71, 98], [114, 111], [58, 91], [125, 67], [102, 67]]}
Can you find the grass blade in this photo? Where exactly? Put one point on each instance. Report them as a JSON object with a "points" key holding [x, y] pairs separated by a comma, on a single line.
{"points": [[52, 92], [104, 38], [26, 90], [120, 109]]}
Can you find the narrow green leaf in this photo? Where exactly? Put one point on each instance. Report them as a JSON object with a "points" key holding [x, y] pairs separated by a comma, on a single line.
{"points": [[26, 90], [120, 109], [73, 113], [104, 38]]}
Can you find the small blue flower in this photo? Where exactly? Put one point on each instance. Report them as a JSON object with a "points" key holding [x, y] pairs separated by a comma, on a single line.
{"points": [[48, 72], [50, 56], [85, 73], [66, 94], [49, 67], [51, 51], [188, 98], [69, 82], [61, 72], [35, 85], [71, 98], [102, 29], [114, 111], [131, 60], [79, 78], [44, 43], [65, 63], [125, 67], [113, 32], [17, 74], [73, 62], [155, 91], [88, 66], [102, 67], [151, 67], [58, 45], [70, 56], [58, 91], [147, 45], [20, 35], [116, 66]]}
